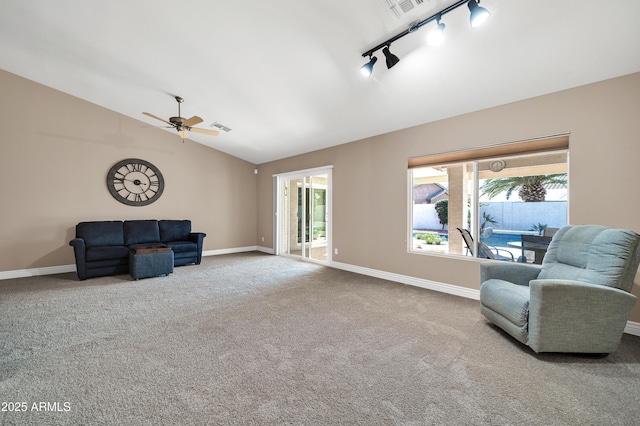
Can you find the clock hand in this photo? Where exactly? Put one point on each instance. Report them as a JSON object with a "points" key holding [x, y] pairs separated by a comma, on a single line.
{"points": [[136, 181]]}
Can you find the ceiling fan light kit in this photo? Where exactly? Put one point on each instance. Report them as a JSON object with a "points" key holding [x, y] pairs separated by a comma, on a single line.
{"points": [[477, 16], [184, 126]]}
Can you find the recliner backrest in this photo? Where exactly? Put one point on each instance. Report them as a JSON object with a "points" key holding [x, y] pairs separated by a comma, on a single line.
{"points": [[593, 254]]}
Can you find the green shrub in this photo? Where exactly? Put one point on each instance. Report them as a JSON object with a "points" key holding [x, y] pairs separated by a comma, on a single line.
{"points": [[442, 209], [429, 238]]}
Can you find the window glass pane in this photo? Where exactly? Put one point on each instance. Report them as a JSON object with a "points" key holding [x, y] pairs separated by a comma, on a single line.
{"points": [[516, 196], [430, 209], [442, 203]]}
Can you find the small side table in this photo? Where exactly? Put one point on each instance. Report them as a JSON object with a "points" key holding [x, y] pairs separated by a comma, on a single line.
{"points": [[147, 262]]}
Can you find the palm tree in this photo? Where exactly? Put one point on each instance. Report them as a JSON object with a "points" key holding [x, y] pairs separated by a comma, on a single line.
{"points": [[487, 218], [530, 188]]}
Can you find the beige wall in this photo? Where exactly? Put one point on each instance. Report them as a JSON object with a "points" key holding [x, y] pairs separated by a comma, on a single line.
{"points": [[370, 176], [55, 152]]}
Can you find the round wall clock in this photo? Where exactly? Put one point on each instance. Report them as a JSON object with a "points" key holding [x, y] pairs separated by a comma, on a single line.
{"points": [[497, 165], [135, 182]]}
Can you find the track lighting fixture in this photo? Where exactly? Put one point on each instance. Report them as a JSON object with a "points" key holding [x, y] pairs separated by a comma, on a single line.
{"points": [[478, 15], [391, 58], [367, 68], [436, 36]]}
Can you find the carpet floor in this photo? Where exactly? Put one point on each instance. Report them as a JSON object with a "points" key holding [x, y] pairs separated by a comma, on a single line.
{"points": [[257, 339]]}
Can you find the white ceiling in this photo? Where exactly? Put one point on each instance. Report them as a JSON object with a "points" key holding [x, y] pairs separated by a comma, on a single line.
{"points": [[284, 74]]}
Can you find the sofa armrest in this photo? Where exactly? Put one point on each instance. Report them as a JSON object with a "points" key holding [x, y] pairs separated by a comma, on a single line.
{"points": [[573, 316], [198, 238], [79, 250], [78, 243], [517, 273]]}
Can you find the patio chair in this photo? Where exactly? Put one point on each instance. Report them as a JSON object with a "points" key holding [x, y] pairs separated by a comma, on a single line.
{"points": [[485, 251], [577, 301]]}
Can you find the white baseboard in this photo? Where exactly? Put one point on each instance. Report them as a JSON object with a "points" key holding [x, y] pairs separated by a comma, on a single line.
{"points": [[632, 328], [229, 250], [267, 250], [62, 269], [405, 279], [49, 270]]}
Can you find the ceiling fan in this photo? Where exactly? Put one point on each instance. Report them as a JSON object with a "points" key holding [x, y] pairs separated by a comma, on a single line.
{"points": [[183, 125]]}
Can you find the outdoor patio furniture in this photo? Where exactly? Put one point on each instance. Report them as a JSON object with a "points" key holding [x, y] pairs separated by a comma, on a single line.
{"points": [[485, 251], [550, 232], [536, 243]]}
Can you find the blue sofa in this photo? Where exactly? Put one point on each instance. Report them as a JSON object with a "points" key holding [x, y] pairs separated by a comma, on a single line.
{"points": [[102, 248]]}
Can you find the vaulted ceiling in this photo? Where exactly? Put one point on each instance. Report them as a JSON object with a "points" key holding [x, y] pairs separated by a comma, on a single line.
{"points": [[284, 74]]}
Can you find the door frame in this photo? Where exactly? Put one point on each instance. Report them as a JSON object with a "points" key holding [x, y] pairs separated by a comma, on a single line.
{"points": [[280, 216]]}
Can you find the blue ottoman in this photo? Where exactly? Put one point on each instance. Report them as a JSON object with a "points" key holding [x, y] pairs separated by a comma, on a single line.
{"points": [[150, 262]]}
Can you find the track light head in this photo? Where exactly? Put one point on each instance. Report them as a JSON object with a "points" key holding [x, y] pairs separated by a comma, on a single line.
{"points": [[391, 58], [367, 68], [436, 36], [478, 14]]}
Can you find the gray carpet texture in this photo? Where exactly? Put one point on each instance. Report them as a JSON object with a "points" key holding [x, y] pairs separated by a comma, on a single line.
{"points": [[255, 339]]}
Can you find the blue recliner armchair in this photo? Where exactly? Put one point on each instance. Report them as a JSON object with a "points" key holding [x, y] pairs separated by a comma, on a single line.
{"points": [[578, 300]]}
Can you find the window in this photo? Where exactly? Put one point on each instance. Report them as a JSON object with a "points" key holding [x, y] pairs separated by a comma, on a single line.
{"points": [[482, 202]]}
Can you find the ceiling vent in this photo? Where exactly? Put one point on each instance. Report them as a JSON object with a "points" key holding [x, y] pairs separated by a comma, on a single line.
{"points": [[400, 7], [221, 127]]}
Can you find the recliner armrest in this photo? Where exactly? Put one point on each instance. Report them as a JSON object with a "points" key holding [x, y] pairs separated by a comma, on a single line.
{"points": [[517, 273], [554, 291], [574, 316]]}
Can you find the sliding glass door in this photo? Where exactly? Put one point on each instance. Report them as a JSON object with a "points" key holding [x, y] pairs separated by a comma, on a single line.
{"points": [[303, 214]]}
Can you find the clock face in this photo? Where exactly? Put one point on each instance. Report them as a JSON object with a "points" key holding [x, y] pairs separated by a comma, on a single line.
{"points": [[135, 182]]}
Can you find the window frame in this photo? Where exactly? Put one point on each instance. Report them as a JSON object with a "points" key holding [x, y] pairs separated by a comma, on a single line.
{"points": [[556, 144]]}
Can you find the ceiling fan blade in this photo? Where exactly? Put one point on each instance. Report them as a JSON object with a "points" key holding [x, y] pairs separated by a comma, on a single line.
{"points": [[157, 118], [192, 121], [205, 131]]}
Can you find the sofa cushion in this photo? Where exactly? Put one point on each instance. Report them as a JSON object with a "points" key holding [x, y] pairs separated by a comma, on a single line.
{"points": [[174, 230], [182, 246], [106, 252], [141, 231], [102, 233]]}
